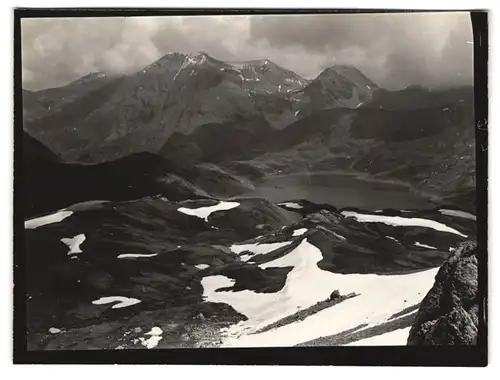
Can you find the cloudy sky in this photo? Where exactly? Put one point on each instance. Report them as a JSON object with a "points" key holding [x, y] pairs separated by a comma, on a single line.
{"points": [[394, 50]]}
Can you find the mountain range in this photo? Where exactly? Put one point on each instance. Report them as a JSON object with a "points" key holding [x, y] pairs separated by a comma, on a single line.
{"points": [[183, 107], [101, 116]]}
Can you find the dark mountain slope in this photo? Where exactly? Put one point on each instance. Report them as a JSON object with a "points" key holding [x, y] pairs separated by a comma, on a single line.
{"points": [[218, 142], [42, 103], [50, 184], [416, 97], [56, 128], [34, 150], [336, 86]]}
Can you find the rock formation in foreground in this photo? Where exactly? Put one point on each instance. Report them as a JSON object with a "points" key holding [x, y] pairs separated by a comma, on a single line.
{"points": [[448, 314]]}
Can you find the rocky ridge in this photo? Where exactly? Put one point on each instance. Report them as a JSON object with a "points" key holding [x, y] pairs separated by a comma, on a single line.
{"points": [[449, 313]]}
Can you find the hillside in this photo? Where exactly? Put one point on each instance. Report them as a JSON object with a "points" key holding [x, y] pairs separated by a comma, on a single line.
{"points": [[209, 273], [204, 203]]}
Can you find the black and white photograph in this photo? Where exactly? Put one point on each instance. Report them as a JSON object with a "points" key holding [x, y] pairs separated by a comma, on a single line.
{"points": [[249, 180]]}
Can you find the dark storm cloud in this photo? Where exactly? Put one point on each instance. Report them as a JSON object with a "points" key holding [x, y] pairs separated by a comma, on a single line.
{"points": [[394, 50]]}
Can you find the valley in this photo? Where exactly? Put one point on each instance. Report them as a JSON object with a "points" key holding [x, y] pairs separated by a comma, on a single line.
{"points": [[204, 203]]}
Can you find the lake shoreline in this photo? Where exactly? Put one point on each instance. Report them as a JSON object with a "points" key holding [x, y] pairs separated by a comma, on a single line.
{"points": [[273, 186]]}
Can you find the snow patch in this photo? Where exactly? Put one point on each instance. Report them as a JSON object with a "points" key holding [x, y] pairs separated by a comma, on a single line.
{"points": [[297, 112], [191, 60], [204, 212], [290, 205], [54, 330], [392, 338], [379, 298], [392, 238], [202, 266], [47, 219], [424, 245], [299, 232], [183, 66], [74, 243], [216, 282], [134, 255], [155, 331], [155, 338], [457, 213], [400, 221], [339, 236], [121, 301]]}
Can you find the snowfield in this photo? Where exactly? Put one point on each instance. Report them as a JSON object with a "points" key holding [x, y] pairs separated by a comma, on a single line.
{"points": [[400, 221], [204, 212], [202, 266], [47, 219], [424, 245], [135, 255], [121, 301], [74, 243], [290, 205], [379, 298], [154, 339], [299, 232]]}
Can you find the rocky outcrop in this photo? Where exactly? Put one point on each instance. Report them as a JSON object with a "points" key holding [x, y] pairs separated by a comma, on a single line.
{"points": [[448, 314]]}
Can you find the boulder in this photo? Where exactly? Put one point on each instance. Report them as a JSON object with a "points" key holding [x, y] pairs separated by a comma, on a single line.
{"points": [[448, 314], [335, 295]]}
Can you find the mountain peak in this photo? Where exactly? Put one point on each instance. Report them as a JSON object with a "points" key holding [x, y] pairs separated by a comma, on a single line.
{"points": [[200, 54], [172, 54], [349, 72], [340, 70]]}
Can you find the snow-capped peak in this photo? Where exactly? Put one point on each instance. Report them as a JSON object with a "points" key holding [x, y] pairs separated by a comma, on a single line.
{"points": [[197, 58]]}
